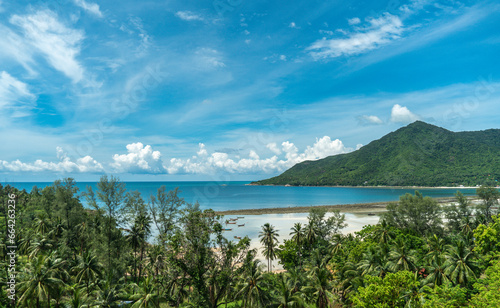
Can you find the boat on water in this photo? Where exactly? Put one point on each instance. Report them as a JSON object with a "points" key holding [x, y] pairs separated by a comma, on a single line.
{"points": [[227, 229], [241, 225], [240, 217], [230, 222], [237, 237]]}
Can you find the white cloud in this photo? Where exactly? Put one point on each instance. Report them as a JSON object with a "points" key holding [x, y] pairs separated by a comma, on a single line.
{"points": [[401, 114], [140, 159], [90, 7], [371, 119], [218, 161], [282, 57], [354, 21], [188, 16], [293, 25], [59, 44], [14, 93], [207, 59], [274, 148], [380, 31], [84, 165]]}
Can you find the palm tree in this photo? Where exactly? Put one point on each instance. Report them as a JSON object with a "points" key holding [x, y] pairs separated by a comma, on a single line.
{"points": [[42, 277], [134, 238], [39, 245], [109, 295], [437, 272], [401, 258], [286, 296], [460, 263], [321, 286], [269, 238], [298, 237], [310, 233], [345, 278], [88, 269], [372, 263], [143, 221], [251, 291], [337, 248], [77, 299], [436, 247], [383, 233], [146, 295]]}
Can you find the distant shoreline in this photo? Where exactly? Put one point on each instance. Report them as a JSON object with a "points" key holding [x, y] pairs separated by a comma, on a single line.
{"points": [[344, 208], [379, 186]]}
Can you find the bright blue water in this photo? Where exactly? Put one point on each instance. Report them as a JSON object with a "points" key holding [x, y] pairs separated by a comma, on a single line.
{"points": [[237, 195]]}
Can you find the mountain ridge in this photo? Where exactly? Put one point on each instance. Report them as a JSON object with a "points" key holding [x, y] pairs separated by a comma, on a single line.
{"points": [[419, 154]]}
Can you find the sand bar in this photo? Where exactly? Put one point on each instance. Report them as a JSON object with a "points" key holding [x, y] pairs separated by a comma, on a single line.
{"points": [[345, 208]]}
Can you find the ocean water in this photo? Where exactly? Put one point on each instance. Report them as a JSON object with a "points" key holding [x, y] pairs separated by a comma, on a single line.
{"points": [[238, 195]]}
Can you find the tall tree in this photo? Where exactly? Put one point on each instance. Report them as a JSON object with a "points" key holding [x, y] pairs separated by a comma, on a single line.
{"points": [[490, 196], [111, 192], [269, 238]]}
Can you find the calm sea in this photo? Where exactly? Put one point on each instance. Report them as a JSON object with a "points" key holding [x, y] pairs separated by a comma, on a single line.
{"points": [[238, 195]]}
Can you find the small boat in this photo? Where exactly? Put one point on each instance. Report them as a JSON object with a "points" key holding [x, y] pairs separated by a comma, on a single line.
{"points": [[231, 222], [233, 219], [237, 237], [240, 217], [227, 229], [241, 225], [371, 214]]}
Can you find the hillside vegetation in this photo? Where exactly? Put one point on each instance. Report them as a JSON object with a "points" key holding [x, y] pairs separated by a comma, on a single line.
{"points": [[419, 154]]}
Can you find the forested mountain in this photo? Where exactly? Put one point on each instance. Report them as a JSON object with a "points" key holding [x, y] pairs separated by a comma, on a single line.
{"points": [[419, 154]]}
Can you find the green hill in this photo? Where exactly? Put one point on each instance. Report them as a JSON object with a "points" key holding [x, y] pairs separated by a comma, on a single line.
{"points": [[419, 154]]}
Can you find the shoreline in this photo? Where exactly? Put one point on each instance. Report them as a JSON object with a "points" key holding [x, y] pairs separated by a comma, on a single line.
{"points": [[379, 186], [370, 207]]}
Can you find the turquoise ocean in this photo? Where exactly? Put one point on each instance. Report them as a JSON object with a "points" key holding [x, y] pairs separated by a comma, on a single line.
{"points": [[239, 195]]}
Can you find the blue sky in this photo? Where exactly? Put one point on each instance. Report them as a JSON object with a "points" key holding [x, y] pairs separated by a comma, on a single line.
{"points": [[233, 90]]}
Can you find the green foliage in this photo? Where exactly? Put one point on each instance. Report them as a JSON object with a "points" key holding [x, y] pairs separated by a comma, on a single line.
{"points": [[488, 237], [415, 212], [394, 290], [419, 154], [63, 255], [445, 296], [488, 288]]}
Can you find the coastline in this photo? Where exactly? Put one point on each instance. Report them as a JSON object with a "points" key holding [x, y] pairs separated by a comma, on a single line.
{"points": [[379, 186], [359, 208]]}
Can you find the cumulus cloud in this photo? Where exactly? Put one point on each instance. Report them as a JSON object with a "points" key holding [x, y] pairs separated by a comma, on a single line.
{"points": [[59, 44], [188, 16], [293, 25], [378, 32], [274, 148], [400, 114], [223, 162], [89, 7], [139, 159], [84, 165]]}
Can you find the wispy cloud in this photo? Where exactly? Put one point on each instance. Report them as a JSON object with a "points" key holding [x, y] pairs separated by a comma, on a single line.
{"points": [[15, 96], [89, 7], [370, 119], [189, 16], [58, 43], [378, 32]]}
